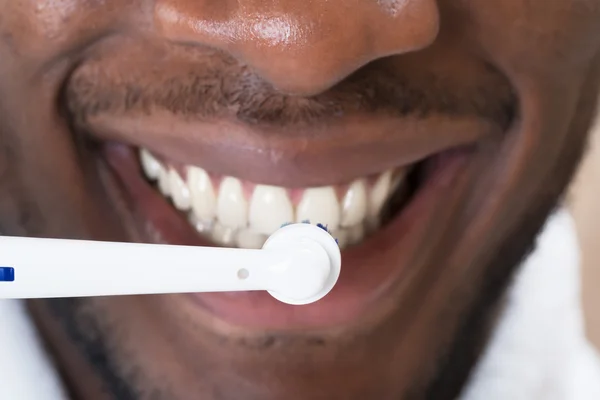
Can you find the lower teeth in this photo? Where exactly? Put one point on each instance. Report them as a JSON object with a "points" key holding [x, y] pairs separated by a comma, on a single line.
{"points": [[249, 239]]}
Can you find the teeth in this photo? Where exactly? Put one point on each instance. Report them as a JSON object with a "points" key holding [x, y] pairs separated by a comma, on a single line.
{"points": [[201, 225], [204, 202], [355, 234], [250, 240], [397, 179], [232, 208], [164, 183], [319, 205], [342, 237], [354, 205], [179, 191], [270, 207], [222, 235], [379, 193], [231, 217], [150, 164]]}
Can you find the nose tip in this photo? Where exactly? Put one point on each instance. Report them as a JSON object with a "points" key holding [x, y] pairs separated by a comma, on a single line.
{"points": [[302, 47]]}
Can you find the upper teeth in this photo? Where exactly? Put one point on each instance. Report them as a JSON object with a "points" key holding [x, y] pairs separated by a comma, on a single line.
{"points": [[230, 216]]}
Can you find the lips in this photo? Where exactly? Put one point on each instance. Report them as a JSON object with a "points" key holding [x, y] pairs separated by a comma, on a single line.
{"points": [[369, 268], [184, 180]]}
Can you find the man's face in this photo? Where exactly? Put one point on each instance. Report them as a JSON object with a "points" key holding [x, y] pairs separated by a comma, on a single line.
{"points": [[432, 137]]}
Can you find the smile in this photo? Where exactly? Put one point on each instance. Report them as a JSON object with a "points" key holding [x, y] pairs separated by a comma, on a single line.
{"points": [[376, 216], [381, 181]]}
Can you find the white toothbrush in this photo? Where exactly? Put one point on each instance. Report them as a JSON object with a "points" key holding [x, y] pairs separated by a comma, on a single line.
{"points": [[298, 264]]}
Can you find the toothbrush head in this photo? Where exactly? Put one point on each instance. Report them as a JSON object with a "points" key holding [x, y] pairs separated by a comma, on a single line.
{"points": [[315, 262]]}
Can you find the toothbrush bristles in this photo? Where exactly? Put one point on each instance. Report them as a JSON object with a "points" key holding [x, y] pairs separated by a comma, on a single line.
{"points": [[324, 227]]}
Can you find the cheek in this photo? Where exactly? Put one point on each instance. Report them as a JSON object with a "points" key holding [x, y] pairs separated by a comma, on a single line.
{"points": [[37, 31], [31, 24], [530, 37]]}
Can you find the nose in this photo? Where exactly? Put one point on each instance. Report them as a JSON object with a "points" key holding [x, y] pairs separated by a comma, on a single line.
{"points": [[301, 47]]}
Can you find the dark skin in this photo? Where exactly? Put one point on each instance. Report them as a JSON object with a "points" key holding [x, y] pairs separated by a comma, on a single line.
{"points": [[516, 80]]}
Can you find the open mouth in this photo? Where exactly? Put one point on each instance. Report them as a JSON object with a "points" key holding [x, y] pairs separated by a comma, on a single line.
{"points": [[195, 162], [380, 183], [233, 212], [377, 219]]}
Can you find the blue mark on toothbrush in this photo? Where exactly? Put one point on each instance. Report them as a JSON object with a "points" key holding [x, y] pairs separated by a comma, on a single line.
{"points": [[324, 227], [7, 274]]}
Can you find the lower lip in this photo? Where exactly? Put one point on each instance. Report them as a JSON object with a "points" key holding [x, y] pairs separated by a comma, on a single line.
{"points": [[368, 269]]}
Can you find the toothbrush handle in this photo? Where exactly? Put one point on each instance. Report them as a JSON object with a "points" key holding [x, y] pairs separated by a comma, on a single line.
{"points": [[76, 268]]}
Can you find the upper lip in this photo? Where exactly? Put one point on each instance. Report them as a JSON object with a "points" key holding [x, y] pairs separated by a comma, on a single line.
{"points": [[336, 152], [207, 110]]}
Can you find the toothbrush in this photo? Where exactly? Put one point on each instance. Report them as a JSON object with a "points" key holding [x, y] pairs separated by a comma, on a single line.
{"points": [[298, 264]]}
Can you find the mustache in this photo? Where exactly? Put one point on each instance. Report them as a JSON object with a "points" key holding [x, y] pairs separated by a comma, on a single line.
{"points": [[225, 91]]}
